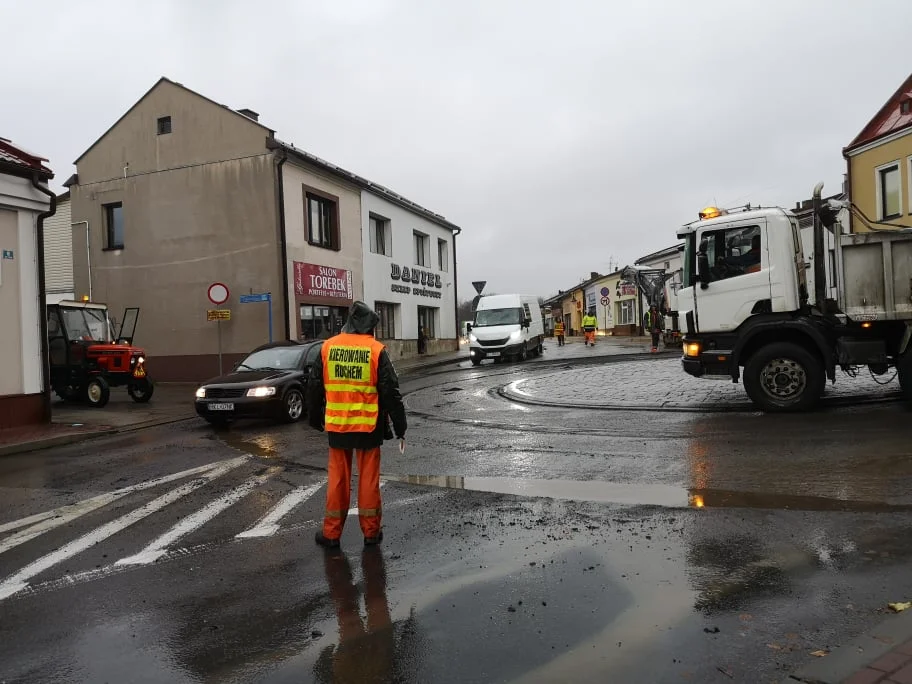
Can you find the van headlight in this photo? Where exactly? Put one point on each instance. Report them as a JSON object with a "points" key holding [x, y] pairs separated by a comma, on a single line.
{"points": [[516, 334], [472, 337], [261, 391]]}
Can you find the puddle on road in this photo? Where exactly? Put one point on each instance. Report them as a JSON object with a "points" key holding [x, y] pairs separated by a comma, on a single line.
{"points": [[263, 446], [633, 494]]}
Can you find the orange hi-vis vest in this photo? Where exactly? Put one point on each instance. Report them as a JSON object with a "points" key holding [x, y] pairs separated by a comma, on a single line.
{"points": [[559, 328], [350, 377]]}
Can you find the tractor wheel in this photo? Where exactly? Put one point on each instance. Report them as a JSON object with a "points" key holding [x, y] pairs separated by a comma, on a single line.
{"points": [[97, 392], [141, 391]]}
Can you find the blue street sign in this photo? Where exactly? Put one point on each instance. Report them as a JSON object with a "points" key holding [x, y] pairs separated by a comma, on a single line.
{"points": [[262, 297], [251, 298]]}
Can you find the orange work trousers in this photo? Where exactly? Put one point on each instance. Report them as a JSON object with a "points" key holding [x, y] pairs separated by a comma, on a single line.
{"points": [[590, 337], [338, 492]]}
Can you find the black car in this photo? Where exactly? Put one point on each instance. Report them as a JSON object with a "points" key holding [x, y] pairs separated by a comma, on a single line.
{"points": [[269, 383]]}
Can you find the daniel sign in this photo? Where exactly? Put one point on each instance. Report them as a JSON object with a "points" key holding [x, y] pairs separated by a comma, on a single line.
{"points": [[322, 282]]}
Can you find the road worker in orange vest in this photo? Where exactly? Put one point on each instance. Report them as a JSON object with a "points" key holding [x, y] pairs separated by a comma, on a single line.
{"points": [[353, 394], [559, 332]]}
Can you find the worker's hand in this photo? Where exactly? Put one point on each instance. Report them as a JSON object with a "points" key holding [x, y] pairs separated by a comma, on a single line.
{"points": [[402, 445]]}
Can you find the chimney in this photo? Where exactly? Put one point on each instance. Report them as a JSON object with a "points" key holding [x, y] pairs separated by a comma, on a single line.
{"points": [[593, 275], [249, 113]]}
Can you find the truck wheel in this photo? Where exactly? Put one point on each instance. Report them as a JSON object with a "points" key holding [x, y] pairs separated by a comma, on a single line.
{"points": [[784, 377], [140, 392], [97, 392], [904, 371]]}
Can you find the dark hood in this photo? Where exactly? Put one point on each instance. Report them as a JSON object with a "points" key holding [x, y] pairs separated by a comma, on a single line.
{"points": [[361, 319]]}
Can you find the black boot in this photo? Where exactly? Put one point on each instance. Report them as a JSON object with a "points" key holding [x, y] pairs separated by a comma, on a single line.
{"points": [[326, 541], [373, 541]]}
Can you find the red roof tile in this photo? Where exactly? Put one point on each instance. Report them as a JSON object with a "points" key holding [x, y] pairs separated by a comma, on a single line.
{"points": [[889, 119], [12, 154]]}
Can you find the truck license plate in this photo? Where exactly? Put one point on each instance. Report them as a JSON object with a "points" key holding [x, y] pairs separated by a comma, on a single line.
{"points": [[221, 407], [493, 354]]}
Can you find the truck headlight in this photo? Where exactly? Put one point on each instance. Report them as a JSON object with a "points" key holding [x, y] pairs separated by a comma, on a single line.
{"points": [[472, 337], [261, 391], [692, 349], [201, 393]]}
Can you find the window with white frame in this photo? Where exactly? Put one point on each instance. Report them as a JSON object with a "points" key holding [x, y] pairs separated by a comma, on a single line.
{"points": [[386, 328], [889, 196], [422, 250], [626, 312], [443, 255], [380, 238]]}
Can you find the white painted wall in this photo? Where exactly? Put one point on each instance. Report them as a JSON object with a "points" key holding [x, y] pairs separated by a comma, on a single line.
{"points": [[378, 268], [18, 195]]}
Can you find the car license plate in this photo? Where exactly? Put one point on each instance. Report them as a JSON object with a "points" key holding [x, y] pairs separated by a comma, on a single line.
{"points": [[221, 407], [493, 354]]}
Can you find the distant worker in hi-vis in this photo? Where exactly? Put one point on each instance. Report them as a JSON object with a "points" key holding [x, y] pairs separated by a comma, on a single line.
{"points": [[353, 394]]}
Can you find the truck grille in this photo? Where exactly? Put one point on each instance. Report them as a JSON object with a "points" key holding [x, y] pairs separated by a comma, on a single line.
{"points": [[493, 343], [224, 392]]}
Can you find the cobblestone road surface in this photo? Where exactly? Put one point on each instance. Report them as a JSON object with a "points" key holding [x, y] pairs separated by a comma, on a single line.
{"points": [[661, 383]]}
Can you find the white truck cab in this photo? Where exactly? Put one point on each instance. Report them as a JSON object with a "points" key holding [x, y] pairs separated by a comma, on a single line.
{"points": [[506, 326], [745, 303]]}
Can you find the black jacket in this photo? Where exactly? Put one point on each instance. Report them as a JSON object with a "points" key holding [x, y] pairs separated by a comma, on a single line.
{"points": [[361, 321]]}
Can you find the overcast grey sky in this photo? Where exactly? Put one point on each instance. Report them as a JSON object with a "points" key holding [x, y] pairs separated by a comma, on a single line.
{"points": [[558, 135]]}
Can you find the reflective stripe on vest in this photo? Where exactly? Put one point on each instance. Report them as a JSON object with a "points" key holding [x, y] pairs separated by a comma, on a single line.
{"points": [[350, 377]]}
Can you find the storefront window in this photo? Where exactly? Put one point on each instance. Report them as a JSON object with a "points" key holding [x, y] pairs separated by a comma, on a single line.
{"points": [[426, 320], [321, 322], [386, 328]]}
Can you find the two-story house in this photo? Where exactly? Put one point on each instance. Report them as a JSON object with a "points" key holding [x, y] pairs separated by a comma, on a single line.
{"points": [[183, 192], [879, 163]]}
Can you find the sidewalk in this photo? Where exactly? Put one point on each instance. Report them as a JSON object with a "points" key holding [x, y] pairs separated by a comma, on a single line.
{"points": [[881, 656]]}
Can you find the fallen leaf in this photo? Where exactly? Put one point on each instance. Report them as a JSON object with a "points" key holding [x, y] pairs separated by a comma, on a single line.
{"points": [[899, 607], [819, 654], [746, 617], [775, 647]]}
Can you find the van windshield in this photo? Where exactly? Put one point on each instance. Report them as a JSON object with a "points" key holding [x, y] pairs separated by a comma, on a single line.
{"points": [[487, 317]]}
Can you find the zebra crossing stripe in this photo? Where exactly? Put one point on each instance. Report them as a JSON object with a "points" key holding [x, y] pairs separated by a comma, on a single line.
{"points": [[49, 520], [268, 525], [19, 581], [192, 522]]}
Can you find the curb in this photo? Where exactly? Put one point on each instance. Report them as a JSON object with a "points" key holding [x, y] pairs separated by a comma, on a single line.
{"points": [[75, 438], [846, 660], [504, 392]]}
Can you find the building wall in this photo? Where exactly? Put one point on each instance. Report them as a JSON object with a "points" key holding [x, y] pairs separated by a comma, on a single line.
{"points": [[22, 379], [864, 181], [199, 206], [58, 254], [383, 280], [298, 179]]}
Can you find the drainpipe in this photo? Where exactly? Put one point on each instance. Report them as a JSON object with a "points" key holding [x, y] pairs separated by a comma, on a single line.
{"points": [[283, 244], [42, 293], [456, 232], [88, 256]]}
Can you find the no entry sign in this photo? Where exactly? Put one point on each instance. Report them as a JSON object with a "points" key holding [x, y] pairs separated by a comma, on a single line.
{"points": [[218, 293]]}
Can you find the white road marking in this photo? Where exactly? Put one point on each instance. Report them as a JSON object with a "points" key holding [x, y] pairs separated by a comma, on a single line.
{"points": [[19, 581], [268, 525], [49, 520], [192, 522], [354, 510]]}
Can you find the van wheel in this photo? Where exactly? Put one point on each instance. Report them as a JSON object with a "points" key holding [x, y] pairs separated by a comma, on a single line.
{"points": [[784, 377], [97, 392], [904, 371], [476, 362], [521, 355]]}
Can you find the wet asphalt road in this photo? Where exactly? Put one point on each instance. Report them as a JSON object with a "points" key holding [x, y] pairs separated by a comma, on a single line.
{"points": [[523, 543]]}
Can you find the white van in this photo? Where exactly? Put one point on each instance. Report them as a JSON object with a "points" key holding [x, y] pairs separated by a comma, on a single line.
{"points": [[506, 326]]}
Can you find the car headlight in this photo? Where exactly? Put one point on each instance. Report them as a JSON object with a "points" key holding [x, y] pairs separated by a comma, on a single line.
{"points": [[261, 391], [472, 337], [201, 393], [516, 334]]}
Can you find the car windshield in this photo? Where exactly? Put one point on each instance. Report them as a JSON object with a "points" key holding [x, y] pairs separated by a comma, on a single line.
{"points": [[484, 317], [86, 324], [276, 358]]}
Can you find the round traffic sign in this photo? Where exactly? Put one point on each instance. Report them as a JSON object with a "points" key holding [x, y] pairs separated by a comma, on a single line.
{"points": [[218, 293], [605, 301], [605, 292]]}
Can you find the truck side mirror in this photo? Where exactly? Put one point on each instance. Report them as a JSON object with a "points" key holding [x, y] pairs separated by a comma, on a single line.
{"points": [[703, 274]]}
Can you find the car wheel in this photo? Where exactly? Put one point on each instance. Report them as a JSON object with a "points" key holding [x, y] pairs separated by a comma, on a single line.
{"points": [[784, 377], [292, 406], [97, 392], [141, 392]]}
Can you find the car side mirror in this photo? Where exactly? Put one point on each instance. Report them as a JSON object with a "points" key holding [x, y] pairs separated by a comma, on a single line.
{"points": [[235, 366]]}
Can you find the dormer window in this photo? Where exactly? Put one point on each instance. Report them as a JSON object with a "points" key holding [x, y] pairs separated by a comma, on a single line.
{"points": [[905, 107]]}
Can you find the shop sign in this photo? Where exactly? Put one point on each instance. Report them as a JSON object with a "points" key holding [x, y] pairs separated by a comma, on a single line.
{"points": [[322, 282], [626, 289], [408, 276]]}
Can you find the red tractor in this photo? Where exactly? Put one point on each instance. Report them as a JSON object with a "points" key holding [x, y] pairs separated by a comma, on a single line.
{"points": [[87, 359]]}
